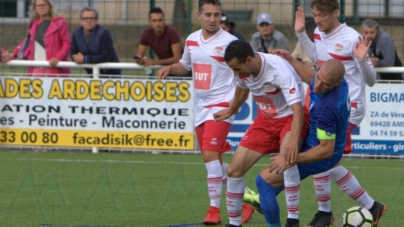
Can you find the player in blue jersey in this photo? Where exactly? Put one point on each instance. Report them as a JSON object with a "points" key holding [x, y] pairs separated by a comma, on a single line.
{"points": [[329, 120]]}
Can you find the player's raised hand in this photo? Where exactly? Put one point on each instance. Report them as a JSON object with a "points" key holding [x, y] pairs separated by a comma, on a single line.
{"points": [[361, 48], [299, 20], [222, 115], [163, 72], [282, 53]]}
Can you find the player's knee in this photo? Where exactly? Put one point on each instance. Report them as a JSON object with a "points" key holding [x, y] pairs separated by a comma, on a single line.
{"points": [[209, 156], [264, 187], [234, 172]]}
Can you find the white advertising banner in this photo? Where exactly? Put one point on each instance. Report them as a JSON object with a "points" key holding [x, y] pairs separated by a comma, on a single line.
{"points": [[382, 129], [138, 114]]}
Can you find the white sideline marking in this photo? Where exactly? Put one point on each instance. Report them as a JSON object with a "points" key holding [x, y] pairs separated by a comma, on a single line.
{"points": [[107, 161], [154, 162]]}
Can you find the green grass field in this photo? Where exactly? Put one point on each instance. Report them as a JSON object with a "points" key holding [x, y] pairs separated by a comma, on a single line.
{"points": [[128, 189]]}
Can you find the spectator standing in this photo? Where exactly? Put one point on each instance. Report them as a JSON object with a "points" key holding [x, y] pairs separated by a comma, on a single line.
{"points": [[163, 39], [267, 38], [382, 51], [92, 43], [49, 39], [229, 27]]}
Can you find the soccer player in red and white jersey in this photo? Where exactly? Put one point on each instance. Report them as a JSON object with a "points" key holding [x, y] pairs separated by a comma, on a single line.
{"points": [[333, 40], [214, 87], [282, 123]]}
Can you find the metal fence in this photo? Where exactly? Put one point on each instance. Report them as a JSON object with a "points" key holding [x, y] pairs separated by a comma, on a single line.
{"points": [[126, 19], [95, 67]]}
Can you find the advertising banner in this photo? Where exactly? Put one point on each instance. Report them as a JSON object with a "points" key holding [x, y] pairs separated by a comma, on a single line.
{"points": [[134, 114], [382, 129]]}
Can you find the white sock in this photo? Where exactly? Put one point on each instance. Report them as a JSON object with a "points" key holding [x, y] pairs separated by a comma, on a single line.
{"points": [[234, 199], [214, 182], [350, 185], [224, 178], [292, 191], [322, 187]]}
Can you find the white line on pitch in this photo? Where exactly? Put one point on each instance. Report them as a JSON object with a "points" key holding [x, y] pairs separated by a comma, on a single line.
{"points": [[155, 162]]}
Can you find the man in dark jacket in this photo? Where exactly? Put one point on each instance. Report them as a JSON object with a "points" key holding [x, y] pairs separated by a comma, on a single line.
{"points": [[382, 51], [92, 43], [229, 26]]}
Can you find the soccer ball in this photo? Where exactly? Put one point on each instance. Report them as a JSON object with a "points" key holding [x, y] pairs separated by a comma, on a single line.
{"points": [[357, 217]]}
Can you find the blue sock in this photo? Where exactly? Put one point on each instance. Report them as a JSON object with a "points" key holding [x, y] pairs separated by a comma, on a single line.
{"points": [[269, 204], [274, 225]]}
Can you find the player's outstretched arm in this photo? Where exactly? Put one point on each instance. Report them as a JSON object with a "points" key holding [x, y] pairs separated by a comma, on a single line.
{"points": [[176, 69], [300, 21], [368, 72], [305, 73], [239, 98], [307, 44]]}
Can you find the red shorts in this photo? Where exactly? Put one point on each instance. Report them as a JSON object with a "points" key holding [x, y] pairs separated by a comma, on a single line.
{"points": [[348, 146], [265, 135], [212, 136]]}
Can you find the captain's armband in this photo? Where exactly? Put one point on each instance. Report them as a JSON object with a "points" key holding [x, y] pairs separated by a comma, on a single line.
{"points": [[324, 135]]}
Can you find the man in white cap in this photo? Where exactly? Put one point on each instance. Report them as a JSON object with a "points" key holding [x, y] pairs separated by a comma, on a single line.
{"points": [[267, 38]]}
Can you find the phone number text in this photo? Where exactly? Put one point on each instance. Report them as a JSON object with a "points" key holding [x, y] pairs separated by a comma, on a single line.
{"points": [[389, 133]]}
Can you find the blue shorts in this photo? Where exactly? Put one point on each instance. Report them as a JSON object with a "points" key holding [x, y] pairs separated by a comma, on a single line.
{"points": [[313, 168]]}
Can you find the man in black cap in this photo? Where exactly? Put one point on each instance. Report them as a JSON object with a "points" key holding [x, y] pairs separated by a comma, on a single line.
{"points": [[229, 26]]}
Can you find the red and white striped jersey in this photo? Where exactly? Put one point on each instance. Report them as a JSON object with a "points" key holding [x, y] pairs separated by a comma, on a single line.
{"points": [[214, 81], [339, 44], [276, 87]]}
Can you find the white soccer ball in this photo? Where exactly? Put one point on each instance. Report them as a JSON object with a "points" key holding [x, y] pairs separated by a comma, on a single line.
{"points": [[357, 217]]}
